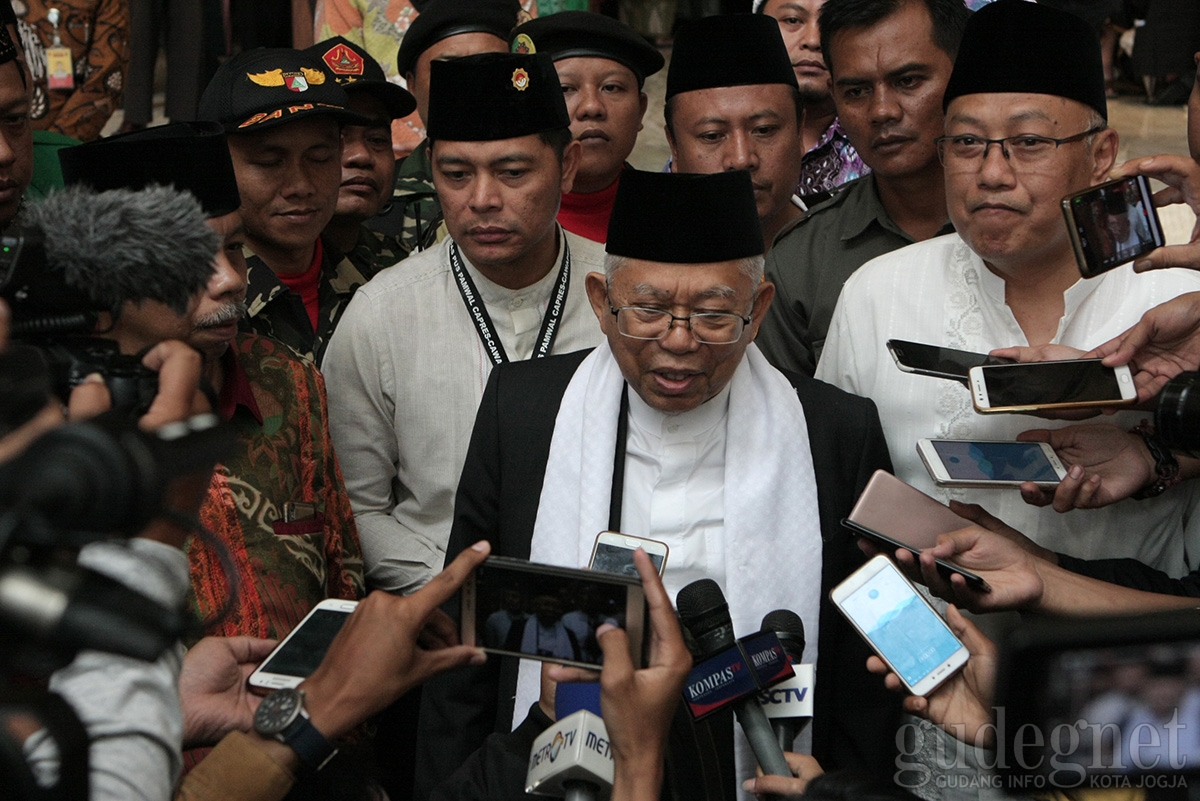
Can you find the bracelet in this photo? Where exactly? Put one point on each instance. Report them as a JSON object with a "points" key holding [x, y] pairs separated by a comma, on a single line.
{"points": [[1166, 466]]}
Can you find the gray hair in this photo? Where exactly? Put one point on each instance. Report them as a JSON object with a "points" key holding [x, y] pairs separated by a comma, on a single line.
{"points": [[751, 266]]}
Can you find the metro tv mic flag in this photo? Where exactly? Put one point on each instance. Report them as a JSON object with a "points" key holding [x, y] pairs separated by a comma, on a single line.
{"points": [[705, 615], [573, 758]]}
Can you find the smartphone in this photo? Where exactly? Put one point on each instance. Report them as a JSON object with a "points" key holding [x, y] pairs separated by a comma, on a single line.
{"points": [[892, 514], [518, 608], [989, 464], [936, 361], [613, 553], [294, 659], [1036, 386], [1112, 224], [900, 625]]}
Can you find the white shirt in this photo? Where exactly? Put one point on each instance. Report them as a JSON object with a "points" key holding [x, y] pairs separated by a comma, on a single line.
{"points": [[674, 488], [405, 371], [939, 292]]}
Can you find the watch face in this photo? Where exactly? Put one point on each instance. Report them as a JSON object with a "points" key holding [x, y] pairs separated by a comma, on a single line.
{"points": [[277, 711]]}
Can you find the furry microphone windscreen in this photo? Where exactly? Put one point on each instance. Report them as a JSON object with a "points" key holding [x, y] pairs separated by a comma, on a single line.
{"points": [[123, 245]]}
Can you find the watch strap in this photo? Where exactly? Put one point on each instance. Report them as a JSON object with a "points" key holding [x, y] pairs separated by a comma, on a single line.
{"points": [[312, 748]]}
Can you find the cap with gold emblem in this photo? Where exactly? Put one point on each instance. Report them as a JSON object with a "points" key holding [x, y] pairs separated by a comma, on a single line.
{"points": [[356, 71], [574, 34], [441, 19], [265, 87], [493, 96]]}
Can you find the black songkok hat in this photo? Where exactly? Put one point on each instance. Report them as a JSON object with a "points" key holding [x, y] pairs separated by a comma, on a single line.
{"points": [[356, 70], [1017, 46], [191, 156], [680, 218], [728, 50], [442, 19], [491, 96], [571, 34], [268, 86]]}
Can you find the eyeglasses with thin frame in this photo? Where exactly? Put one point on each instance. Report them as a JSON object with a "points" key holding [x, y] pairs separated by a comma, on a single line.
{"points": [[709, 328], [968, 151]]}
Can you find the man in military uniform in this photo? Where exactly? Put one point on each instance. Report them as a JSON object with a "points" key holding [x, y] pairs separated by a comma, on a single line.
{"points": [[283, 112], [368, 166], [445, 29], [890, 65]]}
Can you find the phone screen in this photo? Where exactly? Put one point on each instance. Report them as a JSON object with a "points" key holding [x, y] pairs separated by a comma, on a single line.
{"points": [[995, 461], [900, 625], [305, 649], [1113, 223], [1045, 383], [611, 558], [935, 359], [538, 614]]}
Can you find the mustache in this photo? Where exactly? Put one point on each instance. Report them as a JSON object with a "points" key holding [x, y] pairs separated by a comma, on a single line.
{"points": [[229, 313]]}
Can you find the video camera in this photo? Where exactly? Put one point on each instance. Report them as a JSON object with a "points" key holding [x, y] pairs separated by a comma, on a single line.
{"points": [[1177, 416]]}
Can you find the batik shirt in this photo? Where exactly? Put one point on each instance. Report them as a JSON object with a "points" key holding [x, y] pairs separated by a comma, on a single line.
{"points": [[276, 403], [97, 34], [274, 310], [831, 162]]}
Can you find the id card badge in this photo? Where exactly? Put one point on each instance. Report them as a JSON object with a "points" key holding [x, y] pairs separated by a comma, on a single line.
{"points": [[60, 72]]}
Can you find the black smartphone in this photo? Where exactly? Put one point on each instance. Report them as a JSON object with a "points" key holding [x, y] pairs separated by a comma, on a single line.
{"points": [[889, 545], [1112, 224], [936, 361], [519, 608]]}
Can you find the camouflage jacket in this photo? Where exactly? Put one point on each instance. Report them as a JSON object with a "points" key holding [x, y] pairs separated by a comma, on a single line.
{"points": [[374, 251], [414, 216], [274, 310]]}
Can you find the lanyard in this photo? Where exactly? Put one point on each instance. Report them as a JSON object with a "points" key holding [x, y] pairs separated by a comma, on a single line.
{"points": [[483, 323]]}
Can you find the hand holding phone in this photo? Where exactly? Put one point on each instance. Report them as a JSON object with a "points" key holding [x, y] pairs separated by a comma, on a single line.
{"points": [[613, 553], [900, 625], [294, 659], [990, 464], [1112, 224]]}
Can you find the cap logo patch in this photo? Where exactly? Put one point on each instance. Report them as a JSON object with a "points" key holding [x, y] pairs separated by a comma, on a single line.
{"points": [[523, 45], [520, 79], [343, 61], [296, 81]]}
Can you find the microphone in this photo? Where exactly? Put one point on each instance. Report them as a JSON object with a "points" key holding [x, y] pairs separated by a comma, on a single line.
{"points": [[705, 616], [788, 705], [573, 758]]}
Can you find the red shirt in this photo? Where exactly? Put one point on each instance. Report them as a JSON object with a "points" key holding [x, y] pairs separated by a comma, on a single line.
{"points": [[587, 214], [305, 284]]}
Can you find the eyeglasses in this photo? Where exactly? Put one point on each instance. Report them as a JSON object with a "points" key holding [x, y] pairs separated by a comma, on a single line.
{"points": [[1023, 151], [709, 328]]}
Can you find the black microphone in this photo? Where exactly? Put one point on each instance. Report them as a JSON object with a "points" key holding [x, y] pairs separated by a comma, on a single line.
{"points": [[789, 628], [705, 615]]}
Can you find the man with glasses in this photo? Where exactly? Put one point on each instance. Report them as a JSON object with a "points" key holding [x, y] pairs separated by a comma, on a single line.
{"points": [[1025, 126], [677, 429]]}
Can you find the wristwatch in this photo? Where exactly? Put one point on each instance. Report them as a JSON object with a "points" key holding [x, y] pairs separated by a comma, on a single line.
{"points": [[282, 716]]}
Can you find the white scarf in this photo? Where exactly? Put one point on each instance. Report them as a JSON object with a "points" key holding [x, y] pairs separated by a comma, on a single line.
{"points": [[772, 522]]}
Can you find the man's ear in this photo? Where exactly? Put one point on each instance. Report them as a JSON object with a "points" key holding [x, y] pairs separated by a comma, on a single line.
{"points": [[643, 104], [597, 291], [763, 296], [571, 159], [1104, 154]]}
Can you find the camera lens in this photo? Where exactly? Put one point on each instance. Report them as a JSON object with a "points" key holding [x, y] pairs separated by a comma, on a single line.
{"points": [[1177, 418]]}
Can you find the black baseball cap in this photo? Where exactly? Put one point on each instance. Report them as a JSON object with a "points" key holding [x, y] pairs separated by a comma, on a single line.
{"points": [[269, 86], [356, 70]]}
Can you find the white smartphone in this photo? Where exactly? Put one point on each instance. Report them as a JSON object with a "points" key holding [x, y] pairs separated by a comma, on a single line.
{"points": [[900, 625], [1037, 386], [989, 464], [518, 608], [613, 553], [294, 659]]}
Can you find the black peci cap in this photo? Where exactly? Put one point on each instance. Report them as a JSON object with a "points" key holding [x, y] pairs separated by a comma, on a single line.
{"points": [[728, 50], [191, 156], [493, 96], [355, 70], [571, 34], [441, 19], [681, 218], [1018, 46], [265, 87]]}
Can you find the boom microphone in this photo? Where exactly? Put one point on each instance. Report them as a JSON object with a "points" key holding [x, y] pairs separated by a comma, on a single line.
{"points": [[788, 699], [705, 615]]}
